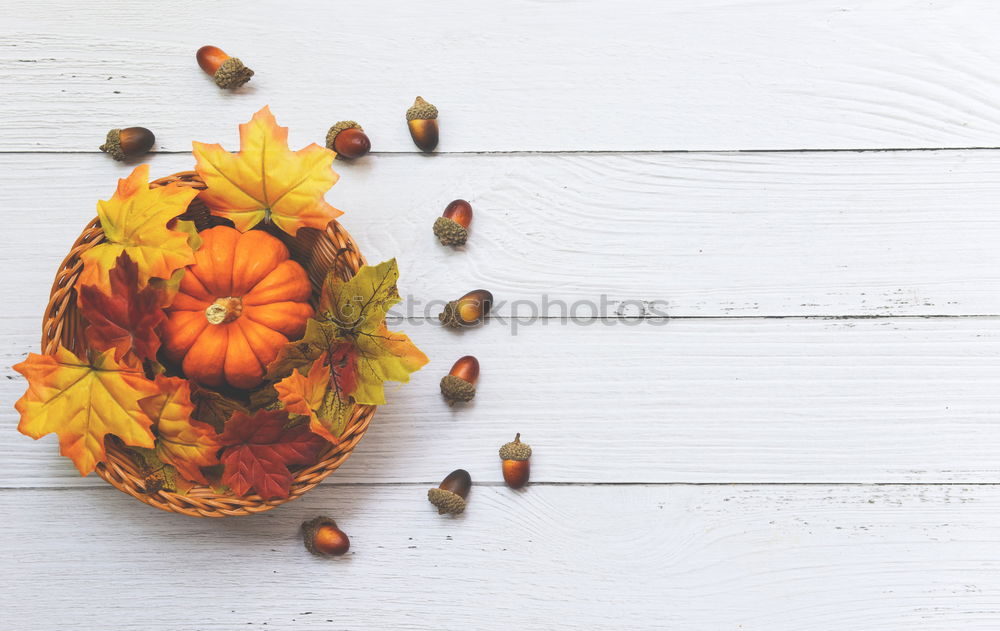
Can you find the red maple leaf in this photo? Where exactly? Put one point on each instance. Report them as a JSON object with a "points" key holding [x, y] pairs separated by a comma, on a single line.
{"points": [[126, 319], [259, 449], [344, 367]]}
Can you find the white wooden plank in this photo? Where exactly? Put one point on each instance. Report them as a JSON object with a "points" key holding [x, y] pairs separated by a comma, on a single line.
{"points": [[513, 75], [706, 558], [754, 400], [899, 233]]}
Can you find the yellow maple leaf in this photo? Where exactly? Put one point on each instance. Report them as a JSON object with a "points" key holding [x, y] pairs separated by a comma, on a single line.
{"points": [[384, 355], [352, 314], [356, 309], [83, 401], [185, 443], [266, 181], [135, 221]]}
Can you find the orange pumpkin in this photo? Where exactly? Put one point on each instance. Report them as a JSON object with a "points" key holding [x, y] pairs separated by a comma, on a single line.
{"points": [[240, 301]]}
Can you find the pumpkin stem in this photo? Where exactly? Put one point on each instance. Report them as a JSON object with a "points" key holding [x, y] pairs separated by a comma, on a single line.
{"points": [[224, 310]]}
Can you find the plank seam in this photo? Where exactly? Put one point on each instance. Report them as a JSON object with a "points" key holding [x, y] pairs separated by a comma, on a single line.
{"points": [[428, 484], [574, 151], [566, 319]]}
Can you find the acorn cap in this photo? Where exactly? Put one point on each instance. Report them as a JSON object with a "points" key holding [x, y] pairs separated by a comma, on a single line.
{"points": [[450, 232], [421, 109], [309, 529], [232, 74], [515, 450], [449, 316], [480, 301], [446, 501], [339, 127], [113, 145], [456, 389]]}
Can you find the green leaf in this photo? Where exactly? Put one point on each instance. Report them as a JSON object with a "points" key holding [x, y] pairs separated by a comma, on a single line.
{"points": [[358, 352], [157, 475]]}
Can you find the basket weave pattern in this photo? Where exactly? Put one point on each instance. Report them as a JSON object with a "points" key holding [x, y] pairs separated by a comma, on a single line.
{"points": [[318, 252]]}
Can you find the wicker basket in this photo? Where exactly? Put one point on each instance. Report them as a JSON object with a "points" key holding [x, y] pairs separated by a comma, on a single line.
{"points": [[318, 252]]}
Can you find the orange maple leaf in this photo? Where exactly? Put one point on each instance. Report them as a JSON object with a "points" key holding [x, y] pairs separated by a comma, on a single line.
{"points": [[83, 401], [181, 441], [135, 221], [266, 181], [300, 393], [323, 396]]}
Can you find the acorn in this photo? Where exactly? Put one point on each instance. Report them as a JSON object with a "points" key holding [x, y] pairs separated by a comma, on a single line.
{"points": [[468, 310], [421, 118], [452, 227], [516, 467], [460, 383], [130, 142], [348, 139], [228, 72], [449, 496], [323, 538]]}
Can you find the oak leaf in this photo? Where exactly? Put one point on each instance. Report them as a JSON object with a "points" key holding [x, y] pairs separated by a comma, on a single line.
{"points": [[181, 441], [260, 448], [135, 221], [323, 392], [84, 400], [266, 181], [126, 318]]}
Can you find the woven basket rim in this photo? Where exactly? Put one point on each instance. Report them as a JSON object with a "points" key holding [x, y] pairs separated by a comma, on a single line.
{"points": [[61, 323]]}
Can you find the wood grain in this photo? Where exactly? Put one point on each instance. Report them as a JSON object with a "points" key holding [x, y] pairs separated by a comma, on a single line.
{"points": [[752, 234], [519, 75], [757, 400], [747, 252], [635, 557]]}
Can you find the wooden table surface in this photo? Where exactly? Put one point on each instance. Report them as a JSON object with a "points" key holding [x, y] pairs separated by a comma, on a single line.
{"points": [[772, 402]]}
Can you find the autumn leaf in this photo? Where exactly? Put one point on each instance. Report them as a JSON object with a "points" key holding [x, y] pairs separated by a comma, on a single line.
{"points": [[214, 475], [353, 313], [260, 448], [190, 228], [319, 338], [83, 401], [323, 393], [213, 408], [167, 288], [362, 302], [343, 365], [126, 319], [158, 475], [304, 395], [357, 310], [384, 355], [264, 398], [181, 441], [135, 221], [266, 181]]}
